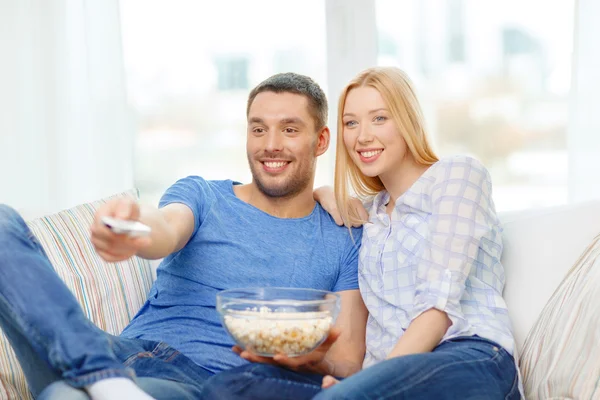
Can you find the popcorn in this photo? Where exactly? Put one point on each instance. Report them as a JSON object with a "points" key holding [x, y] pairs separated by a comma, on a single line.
{"points": [[266, 332]]}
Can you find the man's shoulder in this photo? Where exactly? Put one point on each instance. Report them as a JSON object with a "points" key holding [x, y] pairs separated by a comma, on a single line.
{"points": [[218, 185]]}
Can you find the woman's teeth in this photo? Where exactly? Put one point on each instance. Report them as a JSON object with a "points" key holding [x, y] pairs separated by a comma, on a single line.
{"points": [[369, 154]]}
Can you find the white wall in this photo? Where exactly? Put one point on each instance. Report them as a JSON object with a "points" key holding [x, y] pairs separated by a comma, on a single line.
{"points": [[584, 114]]}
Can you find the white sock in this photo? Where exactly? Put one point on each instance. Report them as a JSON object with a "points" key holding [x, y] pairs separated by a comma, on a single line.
{"points": [[116, 389]]}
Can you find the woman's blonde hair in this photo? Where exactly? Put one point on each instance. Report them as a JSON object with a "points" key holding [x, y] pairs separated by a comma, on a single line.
{"points": [[397, 92]]}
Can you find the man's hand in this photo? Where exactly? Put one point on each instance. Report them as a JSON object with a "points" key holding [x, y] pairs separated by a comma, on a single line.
{"points": [[113, 247], [313, 362], [325, 196]]}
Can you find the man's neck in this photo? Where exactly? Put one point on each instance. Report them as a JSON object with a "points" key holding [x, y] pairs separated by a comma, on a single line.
{"points": [[298, 206]]}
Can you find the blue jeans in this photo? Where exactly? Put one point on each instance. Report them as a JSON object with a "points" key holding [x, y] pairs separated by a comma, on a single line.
{"points": [[462, 368], [59, 349]]}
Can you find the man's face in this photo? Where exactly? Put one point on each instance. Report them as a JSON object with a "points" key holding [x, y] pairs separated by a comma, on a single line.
{"points": [[282, 144]]}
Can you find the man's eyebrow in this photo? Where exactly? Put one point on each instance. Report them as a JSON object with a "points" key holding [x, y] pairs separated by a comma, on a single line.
{"points": [[256, 120], [291, 120]]}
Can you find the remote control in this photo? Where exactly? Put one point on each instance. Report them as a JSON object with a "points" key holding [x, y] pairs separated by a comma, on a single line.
{"points": [[130, 228]]}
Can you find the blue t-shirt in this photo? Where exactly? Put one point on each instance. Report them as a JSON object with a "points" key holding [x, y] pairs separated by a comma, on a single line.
{"points": [[237, 245]]}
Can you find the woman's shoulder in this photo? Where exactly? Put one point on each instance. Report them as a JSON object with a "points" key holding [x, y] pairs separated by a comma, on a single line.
{"points": [[460, 167], [460, 161]]}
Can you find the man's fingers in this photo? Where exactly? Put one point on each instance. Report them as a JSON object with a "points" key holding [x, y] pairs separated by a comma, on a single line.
{"points": [[142, 242], [109, 257], [125, 210], [249, 356]]}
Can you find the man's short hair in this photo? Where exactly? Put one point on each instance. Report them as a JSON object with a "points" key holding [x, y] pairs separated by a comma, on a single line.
{"points": [[290, 82]]}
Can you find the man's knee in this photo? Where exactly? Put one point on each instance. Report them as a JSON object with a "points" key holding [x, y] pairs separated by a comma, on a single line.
{"points": [[11, 222]]}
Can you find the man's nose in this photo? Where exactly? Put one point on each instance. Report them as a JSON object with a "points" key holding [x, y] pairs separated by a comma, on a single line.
{"points": [[274, 141]]}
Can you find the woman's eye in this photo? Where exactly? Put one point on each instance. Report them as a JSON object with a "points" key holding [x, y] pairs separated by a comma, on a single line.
{"points": [[380, 118], [350, 124]]}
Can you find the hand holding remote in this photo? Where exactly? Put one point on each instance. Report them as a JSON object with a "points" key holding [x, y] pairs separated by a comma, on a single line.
{"points": [[116, 233]]}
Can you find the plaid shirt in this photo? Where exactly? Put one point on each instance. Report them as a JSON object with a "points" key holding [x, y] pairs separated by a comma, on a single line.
{"points": [[440, 249]]}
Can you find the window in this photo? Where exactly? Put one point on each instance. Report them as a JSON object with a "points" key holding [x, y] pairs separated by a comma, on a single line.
{"points": [[494, 80], [190, 65], [233, 73]]}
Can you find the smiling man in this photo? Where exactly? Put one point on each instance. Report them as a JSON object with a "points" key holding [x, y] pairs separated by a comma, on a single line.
{"points": [[213, 235]]}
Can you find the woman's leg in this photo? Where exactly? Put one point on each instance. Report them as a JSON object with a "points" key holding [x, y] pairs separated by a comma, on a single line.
{"points": [[461, 369]]}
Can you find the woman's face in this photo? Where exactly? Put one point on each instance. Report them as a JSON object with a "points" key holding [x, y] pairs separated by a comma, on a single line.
{"points": [[370, 134]]}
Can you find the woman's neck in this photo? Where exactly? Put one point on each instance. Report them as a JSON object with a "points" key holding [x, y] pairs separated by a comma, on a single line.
{"points": [[400, 180]]}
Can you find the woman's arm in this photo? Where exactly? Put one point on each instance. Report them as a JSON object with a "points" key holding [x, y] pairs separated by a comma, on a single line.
{"points": [[423, 334], [462, 217], [326, 197]]}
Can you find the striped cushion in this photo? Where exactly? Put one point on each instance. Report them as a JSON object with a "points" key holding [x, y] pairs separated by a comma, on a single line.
{"points": [[110, 294], [561, 355]]}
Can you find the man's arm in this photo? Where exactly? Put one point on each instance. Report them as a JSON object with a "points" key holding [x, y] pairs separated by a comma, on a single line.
{"points": [[347, 354], [172, 227]]}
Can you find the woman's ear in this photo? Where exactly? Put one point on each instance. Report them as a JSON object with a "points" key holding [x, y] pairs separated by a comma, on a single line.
{"points": [[323, 141]]}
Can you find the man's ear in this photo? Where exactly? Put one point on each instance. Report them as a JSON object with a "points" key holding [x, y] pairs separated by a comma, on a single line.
{"points": [[322, 141]]}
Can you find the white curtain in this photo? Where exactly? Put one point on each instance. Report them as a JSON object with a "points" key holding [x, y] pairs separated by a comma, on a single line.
{"points": [[65, 133]]}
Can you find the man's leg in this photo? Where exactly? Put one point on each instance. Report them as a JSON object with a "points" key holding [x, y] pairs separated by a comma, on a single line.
{"points": [[261, 381], [466, 369], [160, 389], [161, 371], [42, 319]]}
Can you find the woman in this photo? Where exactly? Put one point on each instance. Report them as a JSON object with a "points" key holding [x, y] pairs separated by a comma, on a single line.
{"points": [[430, 271]]}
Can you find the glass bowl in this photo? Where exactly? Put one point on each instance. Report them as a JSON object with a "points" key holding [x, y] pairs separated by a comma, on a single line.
{"points": [[272, 320]]}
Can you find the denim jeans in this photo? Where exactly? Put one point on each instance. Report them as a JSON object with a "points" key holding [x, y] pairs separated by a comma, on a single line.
{"points": [[468, 368], [59, 349]]}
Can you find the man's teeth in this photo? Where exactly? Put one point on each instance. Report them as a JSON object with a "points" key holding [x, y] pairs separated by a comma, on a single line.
{"points": [[275, 164], [369, 154]]}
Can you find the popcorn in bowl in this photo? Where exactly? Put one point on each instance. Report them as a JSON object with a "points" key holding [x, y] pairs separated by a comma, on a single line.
{"points": [[268, 321]]}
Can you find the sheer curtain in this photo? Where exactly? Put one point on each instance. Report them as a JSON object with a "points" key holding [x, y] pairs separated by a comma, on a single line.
{"points": [[65, 134]]}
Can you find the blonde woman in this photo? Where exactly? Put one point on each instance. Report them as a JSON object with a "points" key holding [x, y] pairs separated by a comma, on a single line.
{"points": [[429, 270]]}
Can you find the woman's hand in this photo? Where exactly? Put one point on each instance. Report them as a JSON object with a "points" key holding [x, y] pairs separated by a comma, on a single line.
{"points": [[313, 362], [325, 196], [329, 381]]}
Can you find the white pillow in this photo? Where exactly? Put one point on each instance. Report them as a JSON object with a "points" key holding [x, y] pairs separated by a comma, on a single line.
{"points": [[561, 355]]}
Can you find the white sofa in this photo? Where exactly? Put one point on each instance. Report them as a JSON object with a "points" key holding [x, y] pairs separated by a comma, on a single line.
{"points": [[540, 246]]}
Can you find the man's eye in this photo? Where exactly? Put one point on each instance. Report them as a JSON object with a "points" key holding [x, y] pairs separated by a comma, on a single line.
{"points": [[258, 130], [290, 130]]}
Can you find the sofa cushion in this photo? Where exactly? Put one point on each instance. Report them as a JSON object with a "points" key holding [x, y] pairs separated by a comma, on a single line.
{"points": [[561, 356], [110, 294], [539, 248]]}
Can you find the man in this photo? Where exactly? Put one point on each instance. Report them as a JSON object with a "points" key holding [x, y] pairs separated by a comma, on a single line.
{"points": [[213, 235]]}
